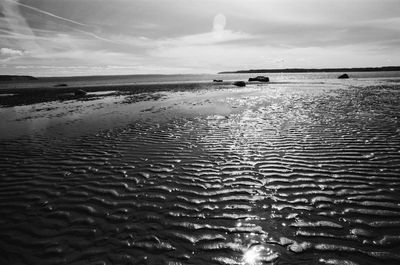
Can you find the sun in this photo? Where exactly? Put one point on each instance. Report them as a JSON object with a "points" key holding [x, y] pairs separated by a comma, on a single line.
{"points": [[219, 23]]}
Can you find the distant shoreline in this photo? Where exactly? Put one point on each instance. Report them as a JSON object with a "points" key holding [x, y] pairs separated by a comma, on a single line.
{"points": [[315, 70]]}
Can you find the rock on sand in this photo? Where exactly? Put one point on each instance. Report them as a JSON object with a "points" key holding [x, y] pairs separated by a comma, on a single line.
{"points": [[259, 79], [239, 83]]}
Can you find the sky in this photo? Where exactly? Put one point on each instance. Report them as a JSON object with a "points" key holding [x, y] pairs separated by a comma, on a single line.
{"points": [[106, 37]]}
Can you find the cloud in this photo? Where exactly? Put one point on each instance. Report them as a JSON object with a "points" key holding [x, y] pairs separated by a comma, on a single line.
{"points": [[148, 35], [7, 54], [11, 52], [214, 37], [17, 24], [48, 13]]}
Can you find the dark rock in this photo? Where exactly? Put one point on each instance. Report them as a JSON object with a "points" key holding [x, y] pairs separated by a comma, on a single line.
{"points": [[259, 79], [344, 76], [218, 80], [80, 92], [239, 83], [60, 85]]}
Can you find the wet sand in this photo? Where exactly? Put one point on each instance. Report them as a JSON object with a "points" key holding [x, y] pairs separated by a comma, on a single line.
{"points": [[301, 173]]}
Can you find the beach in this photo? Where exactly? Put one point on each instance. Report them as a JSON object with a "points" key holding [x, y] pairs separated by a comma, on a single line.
{"points": [[302, 171]]}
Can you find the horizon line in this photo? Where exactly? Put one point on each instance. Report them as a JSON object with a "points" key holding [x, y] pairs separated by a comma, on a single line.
{"points": [[247, 71]]}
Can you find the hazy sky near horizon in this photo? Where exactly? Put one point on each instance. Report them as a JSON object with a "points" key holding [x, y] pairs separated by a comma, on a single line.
{"points": [[86, 37]]}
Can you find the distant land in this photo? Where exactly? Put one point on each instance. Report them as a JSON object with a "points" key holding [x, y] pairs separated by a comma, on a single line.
{"points": [[315, 70], [10, 78]]}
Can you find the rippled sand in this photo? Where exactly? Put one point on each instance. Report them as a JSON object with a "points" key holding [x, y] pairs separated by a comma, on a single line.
{"points": [[283, 174]]}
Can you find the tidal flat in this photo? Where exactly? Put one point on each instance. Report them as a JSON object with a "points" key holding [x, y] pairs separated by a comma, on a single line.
{"points": [[279, 173]]}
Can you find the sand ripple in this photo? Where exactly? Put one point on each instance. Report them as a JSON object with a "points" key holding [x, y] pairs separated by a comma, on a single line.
{"points": [[306, 179]]}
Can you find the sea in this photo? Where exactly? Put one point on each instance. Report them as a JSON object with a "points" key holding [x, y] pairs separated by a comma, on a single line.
{"points": [[110, 80]]}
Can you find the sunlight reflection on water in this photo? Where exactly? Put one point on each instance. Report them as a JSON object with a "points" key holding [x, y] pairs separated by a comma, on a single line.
{"points": [[252, 255], [258, 254]]}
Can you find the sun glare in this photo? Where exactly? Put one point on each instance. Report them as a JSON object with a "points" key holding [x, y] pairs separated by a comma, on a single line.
{"points": [[252, 255]]}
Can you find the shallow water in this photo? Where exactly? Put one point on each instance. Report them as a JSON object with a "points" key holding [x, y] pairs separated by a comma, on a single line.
{"points": [[269, 174]]}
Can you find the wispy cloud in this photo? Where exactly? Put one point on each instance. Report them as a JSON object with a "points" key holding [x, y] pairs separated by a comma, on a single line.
{"points": [[47, 13], [209, 38], [17, 25]]}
